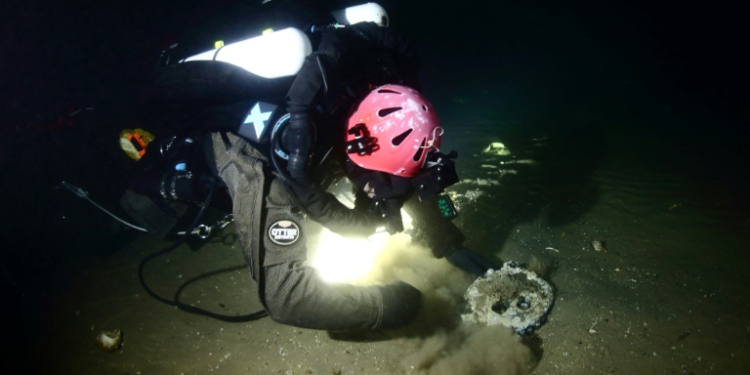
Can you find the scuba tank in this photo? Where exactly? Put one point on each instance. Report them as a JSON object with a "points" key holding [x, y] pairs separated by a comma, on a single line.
{"points": [[273, 54], [368, 12], [241, 87]]}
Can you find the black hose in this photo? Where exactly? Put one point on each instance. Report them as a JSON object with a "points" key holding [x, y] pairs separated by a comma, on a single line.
{"points": [[191, 309], [275, 140], [322, 72], [276, 145]]}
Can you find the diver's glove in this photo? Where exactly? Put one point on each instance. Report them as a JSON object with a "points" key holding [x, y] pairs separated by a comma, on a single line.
{"points": [[297, 139], [390, 211], [438, 173], [469, 261], [389, 194]]}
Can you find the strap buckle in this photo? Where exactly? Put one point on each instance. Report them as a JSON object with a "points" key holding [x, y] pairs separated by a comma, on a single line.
{"points": [[362, 143]]}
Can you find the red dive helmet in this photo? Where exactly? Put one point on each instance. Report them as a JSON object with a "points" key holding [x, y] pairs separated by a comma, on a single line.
{"points": [[392, 131]]}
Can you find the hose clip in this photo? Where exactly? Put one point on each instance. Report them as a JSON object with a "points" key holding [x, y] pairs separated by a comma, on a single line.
{"points": [[221, 224], [202, 231]]}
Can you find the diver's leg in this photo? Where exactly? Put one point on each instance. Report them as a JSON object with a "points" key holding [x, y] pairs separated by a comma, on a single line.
{"points": [[241, 168]]}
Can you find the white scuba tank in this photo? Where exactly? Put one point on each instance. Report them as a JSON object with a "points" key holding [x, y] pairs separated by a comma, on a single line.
{"points": [[368, 12], [271, 55], [281, 53]]}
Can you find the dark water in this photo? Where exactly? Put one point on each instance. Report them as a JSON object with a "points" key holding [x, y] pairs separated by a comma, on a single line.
{"points": [[634, 117]]}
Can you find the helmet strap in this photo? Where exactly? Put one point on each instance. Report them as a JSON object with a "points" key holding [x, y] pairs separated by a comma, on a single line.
{"points": [[362, 143]]}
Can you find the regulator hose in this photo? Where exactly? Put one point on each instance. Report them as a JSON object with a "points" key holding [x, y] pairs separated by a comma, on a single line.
{"points": [[275, 140], [191, 309]]}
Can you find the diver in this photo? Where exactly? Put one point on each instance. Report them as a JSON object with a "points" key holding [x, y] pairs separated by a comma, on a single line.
{"points": [[348, 63], [358, 67]]}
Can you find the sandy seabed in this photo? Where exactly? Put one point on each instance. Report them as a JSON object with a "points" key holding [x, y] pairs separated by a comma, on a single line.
{"points": [[596, 153], [666, 297]]}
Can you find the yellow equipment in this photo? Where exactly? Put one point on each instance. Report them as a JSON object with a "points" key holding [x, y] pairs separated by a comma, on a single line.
{"points": [[134, 142]]}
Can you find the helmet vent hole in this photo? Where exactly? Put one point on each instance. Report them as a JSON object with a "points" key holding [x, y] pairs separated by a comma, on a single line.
{"points": [[400, 138], [388, 91], [418, 154], [387, 111], [424, 107]]}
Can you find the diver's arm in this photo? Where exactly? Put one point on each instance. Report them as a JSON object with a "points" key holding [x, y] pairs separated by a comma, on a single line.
{"points": [[334, 51], [325, 209], [436, 232], [444, 239]]}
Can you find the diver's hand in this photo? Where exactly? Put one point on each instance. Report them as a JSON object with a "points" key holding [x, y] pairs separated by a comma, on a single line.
{"points": [[393, 222], [469, 261], [390, 211], [439, 173]]}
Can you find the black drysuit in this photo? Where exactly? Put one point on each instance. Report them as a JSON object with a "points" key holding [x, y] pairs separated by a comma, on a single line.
{"points": [[349, 62]]}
